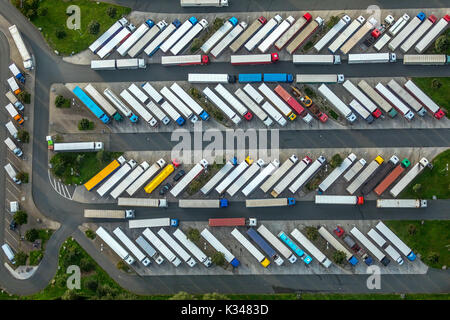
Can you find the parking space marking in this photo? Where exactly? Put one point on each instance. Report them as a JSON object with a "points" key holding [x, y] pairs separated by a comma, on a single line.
{"points": [[13, 196], [13, 185], [59, 187]]}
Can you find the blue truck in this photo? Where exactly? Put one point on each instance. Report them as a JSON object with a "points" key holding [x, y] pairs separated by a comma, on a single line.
{"points": [[255, 236], [291, 244], [278, 77], [95, 109], [250, 77]]}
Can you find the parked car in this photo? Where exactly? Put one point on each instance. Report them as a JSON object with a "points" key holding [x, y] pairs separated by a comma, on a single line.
{"points": [[338, 231], [165, 188], [13, 225], [179, 175]]}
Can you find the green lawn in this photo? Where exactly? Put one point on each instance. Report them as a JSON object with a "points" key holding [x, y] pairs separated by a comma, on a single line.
{"points": [[434, 181], [429, 237], [75, 40], [439, 95]]}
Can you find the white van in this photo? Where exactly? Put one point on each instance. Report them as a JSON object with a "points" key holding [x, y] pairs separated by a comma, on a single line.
{"points": [[9, 253]]}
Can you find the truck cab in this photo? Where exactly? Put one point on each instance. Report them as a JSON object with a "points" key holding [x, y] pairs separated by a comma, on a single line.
{"points": [[129, 214]]}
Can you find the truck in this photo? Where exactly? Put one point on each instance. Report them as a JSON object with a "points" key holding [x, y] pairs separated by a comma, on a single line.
{"points": [[103, 64], [351, 243], [254, 59], [379, 240], [429, 104], [293, 31], [76, 146], [13, 85], [264, 246], [291, 175], [218, 35], [377, 98], [230, 164], [210, 95], [337, 172], [28, 63], [406, 97], [252, 92], [9, 253], [319, 78], [166, 32], [362, 98], [135, 63], [278, 77], [276, 243], [354, 169], [409, 176], [358, 35], [159, 178], [396, 241], [337, 245], [401, 203], [116, 177], [392, 176], [131, 246], [173, 114], [228, 39], [311, 248], [365, 175], [203, 203], [355, 58], [152, 223], [139, 108], [177, 35], [91, 105], [344, 21], [253, 107], [189, 177], [161, 247], [133, 39], [263, 174], [245, 177], [418, 33], [237, 171], [385, 168], [204, 3], [304, 35], [12, 130], [326, 59], [276, 34], [250, 247], [394, 101], [216, 244], [108, 35], [370, 246], [426, 59], [250, 77], [294, 247], [177, 248], [137, 92], [175, 101], [277, 102], [340, 106], [12, 173], [112, 167], [148, 249], [398, 25], [187, 99], [152, 92], [307, 174], [119, 38], [237, 105], [262, 33], [307, 102], [406, 31], [114, 245], [382, 41], [232, 222], [189, 36], [144, 177], [280, 202], [431, 35], [279, 173], [17, 73], [211, 78], [125, 183], [192, 247], [186, 60], [249, 32], [13, 99], [142, 202], [335, 199], [153, 31], [104, 104], [120, 105], [346, 34], [359, 109]]}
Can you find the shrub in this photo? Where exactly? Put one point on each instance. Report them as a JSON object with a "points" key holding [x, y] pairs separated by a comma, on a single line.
{"points": [[70, 295], [60, 34], [32, 235], [442, 44], [336, 160], [42, 11], [339, 257], [121, 265], [182, 295], [24, 97], [86, 265], [111, 11], [196, 44], [312, 233], [35, 257], [412, 229], [94, 27], [20, 217], [90, 234], [193, 234], [91, 284], [433, 257], [106, 292], [436, 84], [218, 258], [85, 124], [61, 102], [23, 176], [23, 136], [214, 296], [21, 258]]}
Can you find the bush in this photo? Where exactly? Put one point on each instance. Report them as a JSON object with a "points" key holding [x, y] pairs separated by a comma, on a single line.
{"points": [[70, 295], [20, 217], [61, 102], [94, 27], [336, 160], [193, 234], [23, 176], [70, 257], [442, 44], [24, 97], [433, 257], [312, 233], [412, 229], [42, 11], [218, 258], [215, 296], [85, 124], [106, 292], [23, 136], [91, 284], [182, 295], [60, 34], [111, 11], [121, 265], [90, 234], [86, 265], [436, 84], [32, 235], [310, 92], [339, 257], [21, 258], [35, 257], [196, 44]]}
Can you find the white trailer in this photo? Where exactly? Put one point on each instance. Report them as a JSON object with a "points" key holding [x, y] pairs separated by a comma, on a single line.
{"points": [[203, 203], [13, 99], [237, 105], [245, 177], [354, 170], [175, 101], [184, 60], [152, 223], [102, 102], [177, 248], [180, 32], [377, 98], [406, 97], [151, 33], [385, 38], [332, 199], [247, 59], [77, 146], [117, 191], [148, 249], [310, 247], [281, 106], [210, 78], [398, 25], [142, 202], [429, 104], [161, 247], [114, 245], [13, 147], [292, 174], [262, 33], [354, 58], [26, 57], [395, 102], [418, 33], [247, 34], [107, 35], [120, 105], [192, 247], [210, 95], [135, 63], [250, 248], [13, 85], [319, 78], [276, 243], [111, 44], [359, 109], [365, 175], [337, 245], [304, 35], [409, 177], [152, 92], [173, 114], [189, 177], [276, 34], [189, 36], [131, 246], [266, 172], [358, 35], [116, 177], [166, 32], [228, 39], [307, 174], [279, 173], [370, 246], [292, 31], [237, 171], [316, 59], [252, 106], [12, 173], [264, 203], [103, 64], [346, 34], [9, 253], [406, 31], [216, 244], [135, 36], [362, 98], [12, 129], [218, 35], [274, 113], [431, 35], [139, 108], [217, 177], [156, 110], [137, 92], [392, 237], [379, 240], [150, 172], [337, 172], [340, 106], [204, 3], [425, 59], [345, 20], [401, 203], [252, 92]]}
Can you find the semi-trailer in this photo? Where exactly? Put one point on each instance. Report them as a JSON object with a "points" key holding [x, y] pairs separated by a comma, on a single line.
{"points": [[294, 247], [316, 59], [344, 21], [365, 175], [16, 73], [134, 63], [278, 77], [293, 31], [253, 107], [362, 98], [260, 203], [192, 247], [113, 43], [216, 244], [156, 110], [134, 38], [13, 147], [180, 32], [249, 32], [237, 105], [120, 105], [392, 237], [398, 25], [277, 102], [12, 173], [139, 108], [354, 170], [245, 177], [232, 222], [159, 178], [337, 172], [297, 107], [253, 59], [211, 78], [204, 3], [291, 175], [409, 177], [13, 99], [311, 248], [237, 171], [379, 240], [346, 34], [218, 35], [252, 92], [431, 35], [210, 95], [125, 183], [340, 106], [103, 64], [358, 35], [175, 101], [276, 243], [114, 245], [307, 174], [279, 173], [189, 177], [142, 202], [77, 146], [276, 34], [250, 247], [401, 203], [230, 164], [319, 78], [385, 38], [426, 59], [137, 92], [28, 63], [116, 177], [103, 103], [392, 176], [406, 97], [13, 85], [377, 98], [185, 60], [152, 92], [418, 33], [161, 247], [332, 199], [108, 35], [91, 105], [359, 109], [228, 39], [177, 248], [166, 32], [304, 35], [148, 249], [266, 172], [307, 102], [131, 246], [152, 223], [203, 203], [385, 168], [187, 99], [394, 101], [12, 130], [189, 36], [337, 245], [262, 33], [429, 104], [354, 58], [256, 237], [370, 246], [150, 172], [406, 31], [112, 167]]}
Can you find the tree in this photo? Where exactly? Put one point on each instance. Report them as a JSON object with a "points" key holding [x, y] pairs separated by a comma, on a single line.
{"points": [[339, 257], [182, 295], [218, 258], [23, 136], [416, 188], [20, 217], [32, 235], [61, 102], [214, 296], [111, 11], [22, 176], [336, 160], [90, 234], [312, 233], [70, 295], [42, 11], [60, 34], [436, 84], [193, 234], [121, 265], [86, 265], [94, 27], [196, 44], [442, 44], [24, 97], [84, 124], [91, 284], [21, 258]]}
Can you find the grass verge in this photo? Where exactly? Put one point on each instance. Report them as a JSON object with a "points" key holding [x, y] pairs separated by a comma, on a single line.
{"points": [[438, 89]]}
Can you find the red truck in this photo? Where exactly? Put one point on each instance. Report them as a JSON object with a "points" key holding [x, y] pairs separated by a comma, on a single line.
{"points": [[232, 222], [307, 102], [290, 100]]}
